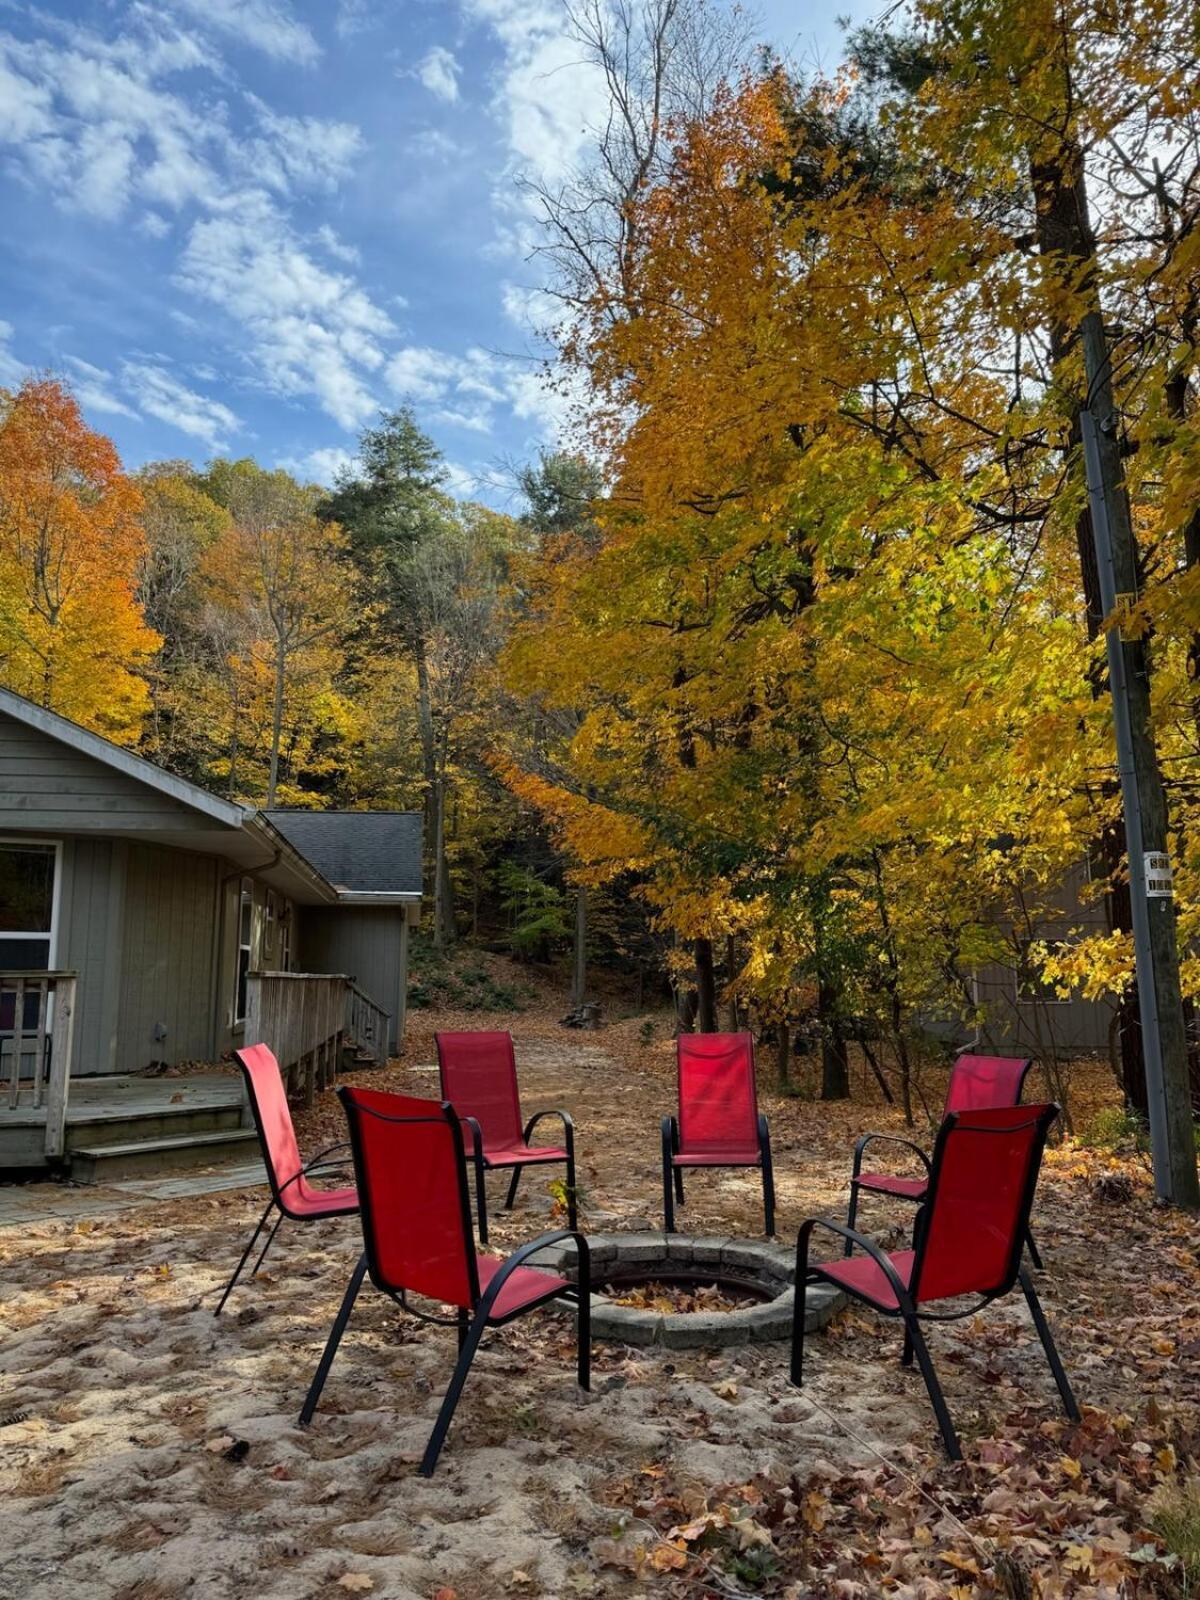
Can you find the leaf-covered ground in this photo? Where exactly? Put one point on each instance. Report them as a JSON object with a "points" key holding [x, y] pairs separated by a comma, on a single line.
{"points": [[151, 1452]]}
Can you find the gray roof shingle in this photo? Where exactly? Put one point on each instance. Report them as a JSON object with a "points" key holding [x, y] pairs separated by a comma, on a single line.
{"points": [[364, 851]]}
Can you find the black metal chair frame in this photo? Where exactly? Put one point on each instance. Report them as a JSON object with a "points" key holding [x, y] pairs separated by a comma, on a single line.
{"points": [[317, 1164], [860, 1149], [907, 1307], [673, 1190], [483, 1165], [470, 1325]]}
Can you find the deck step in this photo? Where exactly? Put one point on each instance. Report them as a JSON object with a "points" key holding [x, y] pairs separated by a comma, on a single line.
{"points": [[127, 1126], [102, 1163]]}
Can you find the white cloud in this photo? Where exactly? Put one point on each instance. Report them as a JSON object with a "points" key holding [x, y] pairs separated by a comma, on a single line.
{"points": [[154, 226], [319, 466], [465, 391], [312, 331], [547, 95], [300, 152], [92, 386], [266, 25], [461, 481], [439, 73], [338, 248], [87, 122], [12, 371], [164, 396]]}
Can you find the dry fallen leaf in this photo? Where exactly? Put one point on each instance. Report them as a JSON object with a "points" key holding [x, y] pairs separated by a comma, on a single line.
{"points": [[216, 1446], [356, 1582]]}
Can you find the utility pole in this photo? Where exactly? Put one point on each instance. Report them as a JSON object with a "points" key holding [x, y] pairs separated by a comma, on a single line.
{"points": [[1172, 1142]]}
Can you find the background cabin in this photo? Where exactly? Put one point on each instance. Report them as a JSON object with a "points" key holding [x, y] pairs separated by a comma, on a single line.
{"points": [[157, 925]]}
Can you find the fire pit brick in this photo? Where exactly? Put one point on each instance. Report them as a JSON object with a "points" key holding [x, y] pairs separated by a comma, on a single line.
{"points": [[634, 1257]]}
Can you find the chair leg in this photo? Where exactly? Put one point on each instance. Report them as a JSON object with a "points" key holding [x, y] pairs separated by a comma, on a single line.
{"points": [[768, 1176], [453, 1394], [512, 1188], [583, 1335], [572, 1202], [668, 1184], [237, 1271], [797, 1363], [267, 1246], [1048, 1345], [1034, 1253], [916, 1338], [334, 1339], [906, 1355], [464, 1322], [481, 1200]]}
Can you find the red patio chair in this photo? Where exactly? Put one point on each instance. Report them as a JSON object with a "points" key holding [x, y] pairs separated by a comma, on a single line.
{"points": [[416, 1222], [719, 1122], [479, 1078], [968, 1241], [288, 1176], [976, 1084]]}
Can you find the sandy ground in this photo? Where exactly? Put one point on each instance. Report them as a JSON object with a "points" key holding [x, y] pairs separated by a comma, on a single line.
{"points": [[150, 1451]]}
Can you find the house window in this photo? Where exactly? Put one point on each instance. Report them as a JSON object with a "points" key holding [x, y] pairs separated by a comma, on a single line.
{"points": [[245, 947], [28, 875], [28, 880], [1032, 988]]}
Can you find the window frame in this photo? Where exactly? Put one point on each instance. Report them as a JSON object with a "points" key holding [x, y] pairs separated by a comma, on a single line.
{"points": [[51, 935], [245, 901]]}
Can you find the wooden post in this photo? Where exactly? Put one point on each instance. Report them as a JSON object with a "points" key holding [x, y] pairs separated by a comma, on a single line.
{"points": [[60, 1066], [39, 1049]]}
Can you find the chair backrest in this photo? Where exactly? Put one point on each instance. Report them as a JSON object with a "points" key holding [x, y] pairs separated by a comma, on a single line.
{"points": [[975, 1217], [272, 1115], [718, 1103], [978, 1082], [412, 1192], [479, 1078]]}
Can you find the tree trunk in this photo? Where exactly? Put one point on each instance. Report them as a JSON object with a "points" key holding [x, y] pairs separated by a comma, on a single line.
{"points": [[428, 760], [783, 1057], [439, 846], [835, 1063], [276, 721], [1064, 235], [735, 1020], [579, 953], [706, 987]]}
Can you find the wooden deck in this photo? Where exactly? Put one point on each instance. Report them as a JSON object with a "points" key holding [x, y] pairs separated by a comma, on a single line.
{"points": [[134, 1124]]}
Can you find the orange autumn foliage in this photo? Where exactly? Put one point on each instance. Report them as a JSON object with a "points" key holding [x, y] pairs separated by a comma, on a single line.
{"points": [[72, 634]]}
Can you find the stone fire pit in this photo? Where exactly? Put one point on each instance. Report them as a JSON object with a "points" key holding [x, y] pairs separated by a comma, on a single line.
{"points": [[620, 1261]]}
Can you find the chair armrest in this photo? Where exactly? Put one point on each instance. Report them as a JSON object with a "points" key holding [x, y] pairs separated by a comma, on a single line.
{"points": [[867, 1246], [568, 1125], [520, 1256], [314, 1161], [476, 1136], [886, 1138]]}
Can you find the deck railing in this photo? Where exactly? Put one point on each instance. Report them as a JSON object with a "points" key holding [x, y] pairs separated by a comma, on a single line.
{"points": [[307, 1018], [37, 1023]]}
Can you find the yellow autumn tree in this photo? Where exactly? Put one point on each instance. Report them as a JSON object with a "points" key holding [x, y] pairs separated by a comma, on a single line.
{"points": [[72, 634]]}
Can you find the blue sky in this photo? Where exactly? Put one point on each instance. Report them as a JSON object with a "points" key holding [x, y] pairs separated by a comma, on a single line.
{"points": [[243, 226]]}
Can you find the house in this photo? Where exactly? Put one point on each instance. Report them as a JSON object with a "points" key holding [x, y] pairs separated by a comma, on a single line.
{"points": [[160, 905]]}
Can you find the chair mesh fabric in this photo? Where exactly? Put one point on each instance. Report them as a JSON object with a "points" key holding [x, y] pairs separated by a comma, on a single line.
{"points": [[411, 1191], [264, 1082], [718, 1107], [977, 1082], [479, 1078], [976, 1209]]}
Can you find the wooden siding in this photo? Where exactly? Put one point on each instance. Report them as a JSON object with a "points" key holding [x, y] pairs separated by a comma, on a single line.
{"points": [[90, 926], [46, 785], [369, 944], [167, 959]]}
